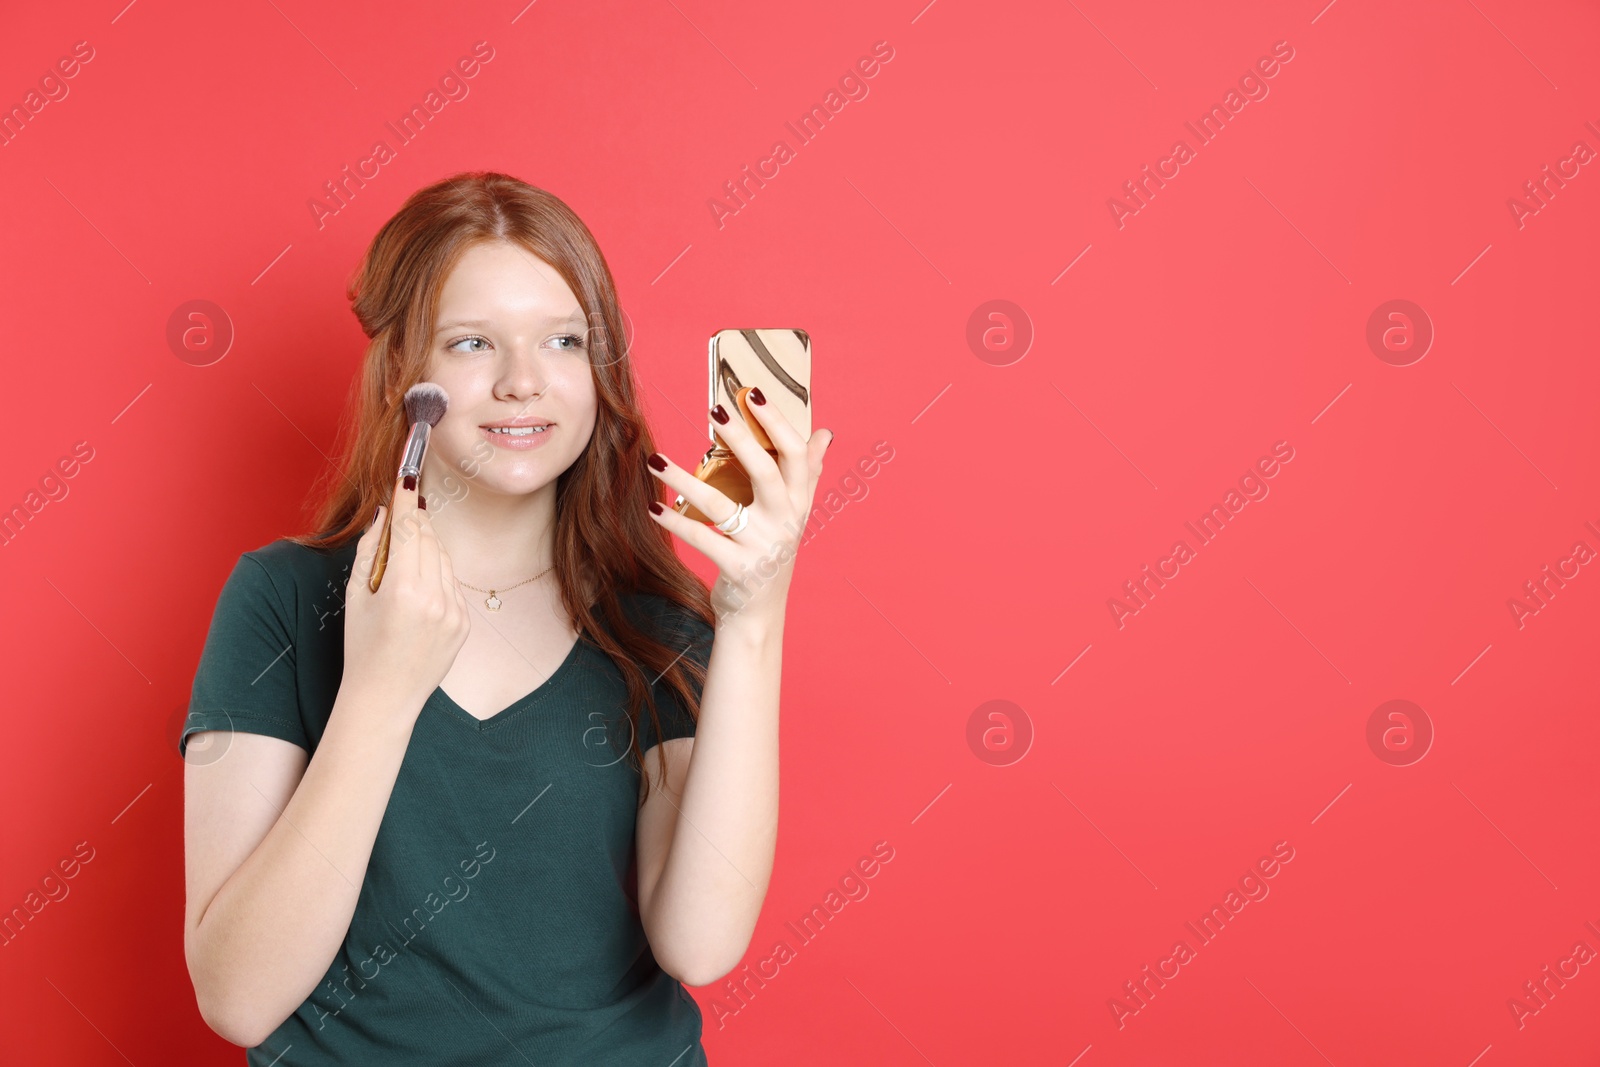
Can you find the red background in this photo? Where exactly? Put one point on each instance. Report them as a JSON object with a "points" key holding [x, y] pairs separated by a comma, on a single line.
{"points": [[1228, 314]]}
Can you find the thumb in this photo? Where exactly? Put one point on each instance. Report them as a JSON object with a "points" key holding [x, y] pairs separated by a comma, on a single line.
{"points": [[817, 449], [824, 444]]}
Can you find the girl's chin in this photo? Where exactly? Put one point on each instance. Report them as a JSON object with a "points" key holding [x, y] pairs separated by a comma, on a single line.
{"points": [[506, 483], [503, 475]]}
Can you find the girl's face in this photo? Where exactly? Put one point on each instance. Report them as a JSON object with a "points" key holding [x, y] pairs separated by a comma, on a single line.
{"points": [[510, 347]]}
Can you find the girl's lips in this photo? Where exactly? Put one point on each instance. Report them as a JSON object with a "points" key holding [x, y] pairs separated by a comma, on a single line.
{"points": [[518, 442]]}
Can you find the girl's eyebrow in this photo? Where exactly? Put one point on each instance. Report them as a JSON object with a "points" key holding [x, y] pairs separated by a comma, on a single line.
{"points": [[573, 317]]}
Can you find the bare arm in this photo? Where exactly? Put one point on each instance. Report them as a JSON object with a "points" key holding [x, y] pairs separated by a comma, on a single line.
{"points": [[276, 846], [276, 849], [707, 836], [706, 845]]}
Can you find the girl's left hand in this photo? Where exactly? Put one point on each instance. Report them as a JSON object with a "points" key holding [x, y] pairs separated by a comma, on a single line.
{"points": [[756, 563]]}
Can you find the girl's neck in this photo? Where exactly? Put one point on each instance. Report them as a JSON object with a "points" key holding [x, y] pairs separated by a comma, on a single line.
{"points": [[494, 540]]}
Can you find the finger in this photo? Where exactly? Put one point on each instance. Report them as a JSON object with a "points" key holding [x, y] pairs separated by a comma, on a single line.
{"points": [[367, 552], [405, 537], [711, 501], [765, 478], [714, 546], [428, 551], [447, 576], [793, 461], [453, 590], [816, 450]]}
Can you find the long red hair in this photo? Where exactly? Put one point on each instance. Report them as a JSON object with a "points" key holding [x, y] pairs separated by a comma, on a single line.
{"points": [[605, 544]]}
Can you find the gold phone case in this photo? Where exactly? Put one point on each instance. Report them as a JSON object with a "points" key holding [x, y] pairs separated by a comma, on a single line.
{"points": [[779, 361]]}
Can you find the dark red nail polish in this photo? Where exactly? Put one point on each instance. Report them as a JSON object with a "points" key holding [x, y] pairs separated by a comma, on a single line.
{"points": [[720, 414], [422, 503], [658, 461], [410, 482], [755, 395], [655, 506]]}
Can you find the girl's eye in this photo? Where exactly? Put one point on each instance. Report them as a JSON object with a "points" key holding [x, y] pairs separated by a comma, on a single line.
{"points": [[451, 347], [575, 343]]}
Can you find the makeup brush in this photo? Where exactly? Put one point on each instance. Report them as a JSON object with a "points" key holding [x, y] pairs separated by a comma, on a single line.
{"points": [[426, 404]]}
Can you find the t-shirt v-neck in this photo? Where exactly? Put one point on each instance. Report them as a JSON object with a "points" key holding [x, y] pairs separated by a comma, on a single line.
{"points": [[448, 703], [498, 918]]}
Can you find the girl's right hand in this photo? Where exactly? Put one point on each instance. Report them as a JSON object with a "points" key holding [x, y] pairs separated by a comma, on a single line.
{"points": [[403, 639]]}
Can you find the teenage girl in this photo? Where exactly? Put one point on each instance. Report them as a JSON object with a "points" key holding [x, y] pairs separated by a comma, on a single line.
{"points": [[505, 808]]}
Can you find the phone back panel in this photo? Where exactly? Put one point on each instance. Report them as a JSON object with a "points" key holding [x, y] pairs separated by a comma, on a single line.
{"points": [[779, 361]]}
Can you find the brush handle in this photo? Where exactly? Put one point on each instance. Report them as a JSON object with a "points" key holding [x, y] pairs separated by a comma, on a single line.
{"points": [[410, 464], [416, 447], [380, 561]]}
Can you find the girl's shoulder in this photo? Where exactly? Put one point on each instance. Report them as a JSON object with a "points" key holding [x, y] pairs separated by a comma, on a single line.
{"points": [[295, 578], [662, 613], [291, 559]]}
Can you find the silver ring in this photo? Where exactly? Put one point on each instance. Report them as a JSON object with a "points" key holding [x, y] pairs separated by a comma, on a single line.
{"points": [[735, 522]]}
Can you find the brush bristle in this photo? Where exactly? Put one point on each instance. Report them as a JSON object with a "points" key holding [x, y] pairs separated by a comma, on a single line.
{"points": [[426, 402]]}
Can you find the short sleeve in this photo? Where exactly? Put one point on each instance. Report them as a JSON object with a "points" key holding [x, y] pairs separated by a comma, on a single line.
{"points": [[246, 677], [692, 638]]}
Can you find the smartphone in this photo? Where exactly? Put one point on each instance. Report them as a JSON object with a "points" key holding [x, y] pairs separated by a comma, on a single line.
{"points": [[779, 362]]}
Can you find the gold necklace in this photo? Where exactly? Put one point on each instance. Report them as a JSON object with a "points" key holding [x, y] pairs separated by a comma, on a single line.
{"points": [[493, 602]]}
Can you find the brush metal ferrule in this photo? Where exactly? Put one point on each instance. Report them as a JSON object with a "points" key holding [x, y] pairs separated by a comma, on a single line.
{"points": [[416, 448]]}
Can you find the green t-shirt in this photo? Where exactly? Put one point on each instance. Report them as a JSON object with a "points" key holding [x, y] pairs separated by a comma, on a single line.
{"points": [[498, 921]]}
